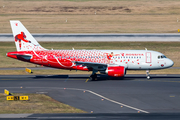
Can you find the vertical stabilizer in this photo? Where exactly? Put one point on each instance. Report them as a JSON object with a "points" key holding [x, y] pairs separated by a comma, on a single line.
{"points": [[23, 39]]}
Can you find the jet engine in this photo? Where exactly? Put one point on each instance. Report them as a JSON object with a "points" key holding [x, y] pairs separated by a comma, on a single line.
{"points": [[116, 71]]}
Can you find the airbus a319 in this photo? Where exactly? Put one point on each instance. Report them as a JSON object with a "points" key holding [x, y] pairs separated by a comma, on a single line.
{"points": [[114, 63]]}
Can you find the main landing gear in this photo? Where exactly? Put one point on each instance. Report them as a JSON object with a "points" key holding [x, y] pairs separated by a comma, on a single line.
{"points": [[93, 75], [147, 74]]}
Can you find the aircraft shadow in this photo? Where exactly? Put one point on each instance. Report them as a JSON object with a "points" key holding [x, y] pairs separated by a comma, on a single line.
{"points": [[105, 77], [58, 76]]}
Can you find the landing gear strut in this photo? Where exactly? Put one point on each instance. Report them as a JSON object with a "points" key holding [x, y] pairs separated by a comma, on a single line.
{"points": [[147, 74], [93, 75]]}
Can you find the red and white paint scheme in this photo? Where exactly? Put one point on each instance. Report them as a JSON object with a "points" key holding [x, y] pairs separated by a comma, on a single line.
{"points": [[111, 62]]}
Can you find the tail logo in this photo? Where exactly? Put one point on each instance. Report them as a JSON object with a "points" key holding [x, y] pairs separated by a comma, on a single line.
{"points": [[16, 24], [21, 37]]}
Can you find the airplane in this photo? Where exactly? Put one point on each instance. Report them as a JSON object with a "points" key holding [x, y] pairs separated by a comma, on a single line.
{"points": [[114, 63]]}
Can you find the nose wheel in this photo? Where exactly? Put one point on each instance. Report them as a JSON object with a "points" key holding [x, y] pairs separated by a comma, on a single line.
{"points": [[148, 77], [147, 74]]}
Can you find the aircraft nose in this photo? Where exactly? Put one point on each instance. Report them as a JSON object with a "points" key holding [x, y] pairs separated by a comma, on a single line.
{"points": [[170, 63]]}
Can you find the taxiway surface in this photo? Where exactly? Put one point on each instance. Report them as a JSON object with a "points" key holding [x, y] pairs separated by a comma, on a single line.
{"points": [[106, 37], [133, 94]]}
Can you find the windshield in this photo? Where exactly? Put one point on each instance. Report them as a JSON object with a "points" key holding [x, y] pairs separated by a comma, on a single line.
{"points": [[161, 56]]}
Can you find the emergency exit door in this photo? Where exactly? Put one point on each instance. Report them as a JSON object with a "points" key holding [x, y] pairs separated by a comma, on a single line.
{"points": [[148, 57]]}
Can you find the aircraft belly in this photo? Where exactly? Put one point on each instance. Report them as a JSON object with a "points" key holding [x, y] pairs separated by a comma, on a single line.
{"points": [[140, 66]]}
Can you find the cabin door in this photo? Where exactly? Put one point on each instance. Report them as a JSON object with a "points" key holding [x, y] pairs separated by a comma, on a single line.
{"points": [[148, 57]]}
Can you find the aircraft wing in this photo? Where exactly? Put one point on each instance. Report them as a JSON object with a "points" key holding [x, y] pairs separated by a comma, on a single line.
{"points": [[97, 66]]}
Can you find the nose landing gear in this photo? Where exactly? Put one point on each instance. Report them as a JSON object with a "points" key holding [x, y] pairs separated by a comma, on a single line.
{"points": [[147, 74]]}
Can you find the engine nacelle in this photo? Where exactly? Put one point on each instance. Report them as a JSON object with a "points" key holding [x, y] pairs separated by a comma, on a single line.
{"points": [[116, 71]]}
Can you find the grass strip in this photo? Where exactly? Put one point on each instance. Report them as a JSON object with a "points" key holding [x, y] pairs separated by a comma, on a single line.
{"points": [[37, 103]]}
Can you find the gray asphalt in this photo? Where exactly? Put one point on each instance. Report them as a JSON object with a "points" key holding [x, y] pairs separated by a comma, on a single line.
{"points": [[94, 116], [108, 37], [133, 94], [133, 97]]}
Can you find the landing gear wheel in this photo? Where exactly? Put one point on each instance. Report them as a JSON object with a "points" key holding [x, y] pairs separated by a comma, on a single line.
{"points": [[148, 77], [93, 77]]}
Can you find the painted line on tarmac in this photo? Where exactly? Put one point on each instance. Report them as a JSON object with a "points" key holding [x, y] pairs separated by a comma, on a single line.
{"points": [[113, 101]]}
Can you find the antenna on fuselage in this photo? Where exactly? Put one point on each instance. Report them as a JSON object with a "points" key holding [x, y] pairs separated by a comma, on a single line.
{"points": [[72, 48], [145, 48]]}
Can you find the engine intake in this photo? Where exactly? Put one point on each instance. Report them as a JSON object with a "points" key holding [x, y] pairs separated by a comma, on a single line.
{"points": [[115, 71]]}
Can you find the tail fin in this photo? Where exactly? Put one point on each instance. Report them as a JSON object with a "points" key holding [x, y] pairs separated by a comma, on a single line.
{"points": [[23, 39]]}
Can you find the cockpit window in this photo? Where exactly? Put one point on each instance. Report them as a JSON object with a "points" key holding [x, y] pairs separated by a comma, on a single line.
{"points": [[161, 56]]}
